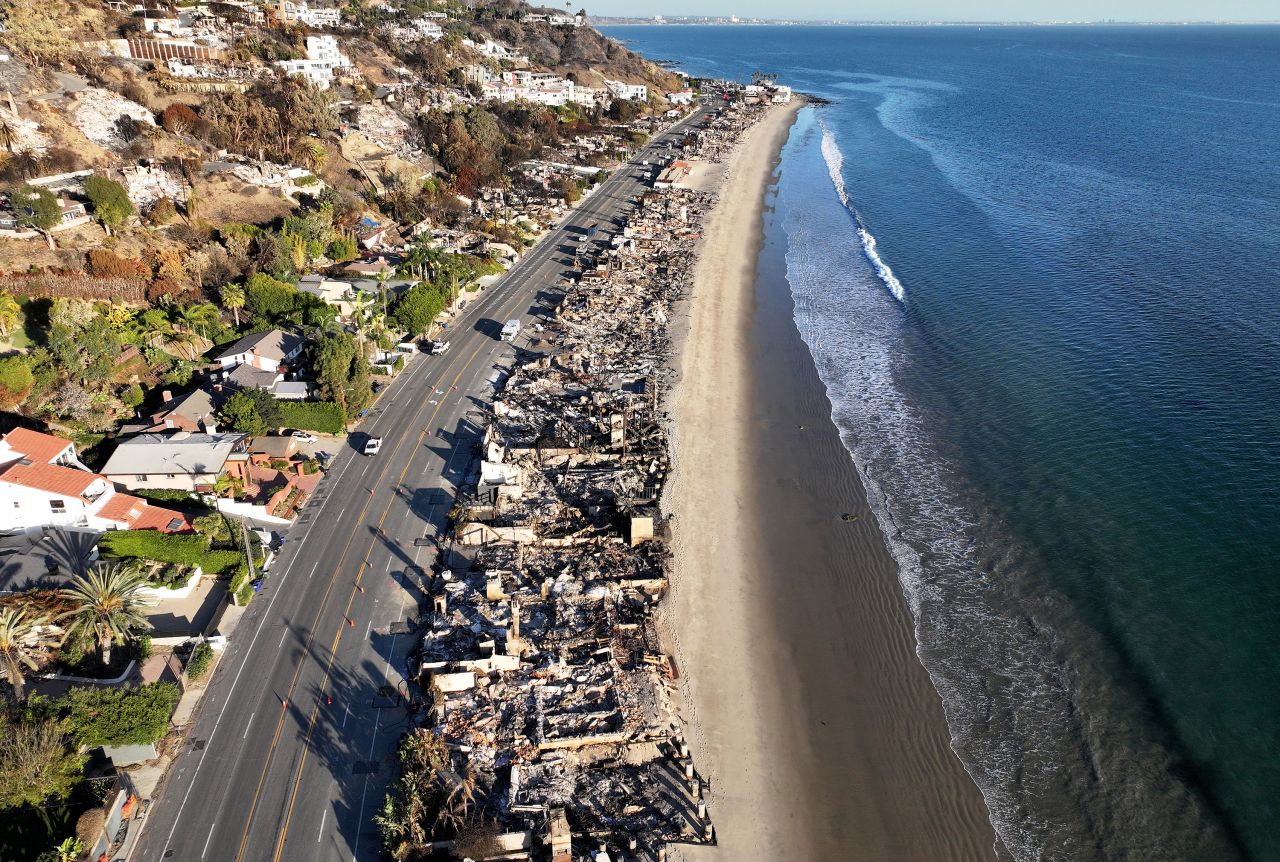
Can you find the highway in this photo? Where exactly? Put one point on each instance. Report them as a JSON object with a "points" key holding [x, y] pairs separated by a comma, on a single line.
{"points": [[293, 745]]}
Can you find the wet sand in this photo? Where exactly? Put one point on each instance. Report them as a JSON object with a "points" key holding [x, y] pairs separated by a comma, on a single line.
{"points": [[813, 722]]}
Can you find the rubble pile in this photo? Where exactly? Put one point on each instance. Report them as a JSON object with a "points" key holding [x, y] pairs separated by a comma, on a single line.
{"points": [[97, 114], [548, 679]]}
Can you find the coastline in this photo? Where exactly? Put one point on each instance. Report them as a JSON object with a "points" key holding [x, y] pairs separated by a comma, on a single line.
{"points": [[817, 729]]}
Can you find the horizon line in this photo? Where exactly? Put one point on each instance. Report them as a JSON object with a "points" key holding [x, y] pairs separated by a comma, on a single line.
{"points": [[936, 22]]}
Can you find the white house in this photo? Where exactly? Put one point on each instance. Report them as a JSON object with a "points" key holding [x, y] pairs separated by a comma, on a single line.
{"points": [[428, 29], [681, 97], [44, 484], [324, 58], [623, 90], [301, 12], [265, 350]]}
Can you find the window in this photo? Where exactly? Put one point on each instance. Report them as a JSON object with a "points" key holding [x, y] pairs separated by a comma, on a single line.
{"points": [[141, 477], [16, 504], [58, 507]]}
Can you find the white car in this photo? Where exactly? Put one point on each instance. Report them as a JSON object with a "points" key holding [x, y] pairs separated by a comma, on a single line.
{"points": [[372, 445], [439, 347], [304, 437]]}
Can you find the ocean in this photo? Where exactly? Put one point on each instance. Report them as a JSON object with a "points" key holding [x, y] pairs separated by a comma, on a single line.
{"points": [[1039, 273]]}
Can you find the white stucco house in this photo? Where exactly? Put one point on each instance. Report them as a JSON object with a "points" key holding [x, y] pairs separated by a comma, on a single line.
{"points": [[44, 484]]}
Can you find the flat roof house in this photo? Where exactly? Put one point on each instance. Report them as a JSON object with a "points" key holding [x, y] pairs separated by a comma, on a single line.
{"points": [[185, 461]]}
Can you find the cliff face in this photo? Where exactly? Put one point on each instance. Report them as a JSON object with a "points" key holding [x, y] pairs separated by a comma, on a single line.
{"points": [[584, 51]]}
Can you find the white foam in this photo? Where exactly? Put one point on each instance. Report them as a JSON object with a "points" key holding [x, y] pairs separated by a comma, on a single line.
{"points": [[853, 328], [835, 167]]}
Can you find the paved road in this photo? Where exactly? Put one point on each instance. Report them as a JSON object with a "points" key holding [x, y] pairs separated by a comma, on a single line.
{"points": [[293, 748]]}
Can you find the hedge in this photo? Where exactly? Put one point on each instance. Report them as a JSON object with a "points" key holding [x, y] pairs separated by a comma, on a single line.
{"points": [[186, 549], [323, 416], [198, 663], [171, 496], [183, 548], [121, 716]]}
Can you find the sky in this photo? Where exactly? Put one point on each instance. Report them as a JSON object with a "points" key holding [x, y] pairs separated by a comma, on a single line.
{"points": [[953, 10]]}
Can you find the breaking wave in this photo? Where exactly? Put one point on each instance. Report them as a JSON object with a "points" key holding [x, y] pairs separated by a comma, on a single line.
{"points": [[835, 165]]}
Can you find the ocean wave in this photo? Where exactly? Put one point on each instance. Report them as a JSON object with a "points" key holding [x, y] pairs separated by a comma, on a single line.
{"points": [[835, 167], [1019, 695]]}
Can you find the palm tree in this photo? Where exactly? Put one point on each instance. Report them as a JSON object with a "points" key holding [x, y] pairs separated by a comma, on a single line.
{"points": [[197, 317], [10, 313], [233, 300], [312, 154], [151, 326], [20, 636], [107, 605]]}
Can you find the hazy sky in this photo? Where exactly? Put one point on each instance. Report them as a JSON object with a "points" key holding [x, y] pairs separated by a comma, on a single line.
{"points": [[954, 10]]}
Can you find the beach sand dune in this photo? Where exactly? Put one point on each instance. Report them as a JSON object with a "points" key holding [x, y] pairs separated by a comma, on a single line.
{"points": [[810, 716]]}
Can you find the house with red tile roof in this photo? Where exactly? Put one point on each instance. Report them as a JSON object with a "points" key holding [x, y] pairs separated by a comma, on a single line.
{"points": [[44, 484]]}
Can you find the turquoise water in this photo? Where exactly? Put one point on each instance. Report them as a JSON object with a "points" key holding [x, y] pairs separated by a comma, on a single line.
{"points": [[1039, 272]]}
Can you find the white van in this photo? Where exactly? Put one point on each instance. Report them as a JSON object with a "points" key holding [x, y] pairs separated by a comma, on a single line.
{"points": [[511, 330]]}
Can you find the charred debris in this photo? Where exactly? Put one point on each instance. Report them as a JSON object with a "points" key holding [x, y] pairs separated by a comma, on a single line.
{"points": [[539, 654]]}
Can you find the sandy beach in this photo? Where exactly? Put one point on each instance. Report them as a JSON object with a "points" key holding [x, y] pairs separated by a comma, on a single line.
{"points": [[818, 732]]}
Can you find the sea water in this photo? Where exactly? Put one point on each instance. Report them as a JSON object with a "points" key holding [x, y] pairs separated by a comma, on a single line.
{"points": [[1039, 272]]}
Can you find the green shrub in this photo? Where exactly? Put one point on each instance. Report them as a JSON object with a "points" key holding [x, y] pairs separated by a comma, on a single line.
{"points": [[245, 594], [323, 416], [213, 525], [121, 716], [184, 548], [16, 380], [199, 660], [171, 496]]}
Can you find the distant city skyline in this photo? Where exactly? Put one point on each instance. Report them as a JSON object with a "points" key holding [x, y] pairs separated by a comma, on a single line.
{"points": [[947, 10]]}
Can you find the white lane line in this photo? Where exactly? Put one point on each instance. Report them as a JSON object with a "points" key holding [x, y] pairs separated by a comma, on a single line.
{"points": [[248, 724], [284, 635], [355, 848], [366, 629], [320, 834], [177, 818], [207, 840], [345, 716]]}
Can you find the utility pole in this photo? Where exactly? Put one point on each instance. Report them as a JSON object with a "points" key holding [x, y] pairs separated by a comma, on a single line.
{"points": [[248, 552]]}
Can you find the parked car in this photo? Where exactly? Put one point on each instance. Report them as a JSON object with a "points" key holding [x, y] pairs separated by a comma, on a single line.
{"points": [[511, 330], [304, 437], [372, 445], [437, 348]]}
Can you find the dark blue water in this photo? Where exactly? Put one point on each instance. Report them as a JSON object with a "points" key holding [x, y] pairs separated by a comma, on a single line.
{"points": [[1053, 351]]}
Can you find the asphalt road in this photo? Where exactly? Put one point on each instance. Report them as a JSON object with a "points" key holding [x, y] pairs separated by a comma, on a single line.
{"points": [[293, 747]]}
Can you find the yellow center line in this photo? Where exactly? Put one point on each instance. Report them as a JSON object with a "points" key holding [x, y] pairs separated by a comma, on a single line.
{"points": [[514, 301], [244, 838], [306, 746]]}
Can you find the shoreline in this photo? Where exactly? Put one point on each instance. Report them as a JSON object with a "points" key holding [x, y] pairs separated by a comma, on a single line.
{"points": [[817, 728]]}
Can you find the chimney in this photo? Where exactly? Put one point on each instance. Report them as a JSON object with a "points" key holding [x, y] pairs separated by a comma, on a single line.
{"points": [[210, 425], [167, 396]]}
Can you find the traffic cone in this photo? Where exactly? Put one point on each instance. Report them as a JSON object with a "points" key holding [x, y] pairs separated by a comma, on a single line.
{"points": [[351, 622]]}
